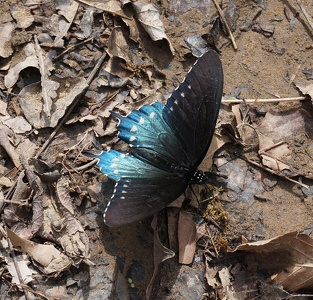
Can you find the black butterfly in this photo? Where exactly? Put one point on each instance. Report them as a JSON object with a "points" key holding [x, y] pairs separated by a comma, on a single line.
{"points": [[168, 144]]}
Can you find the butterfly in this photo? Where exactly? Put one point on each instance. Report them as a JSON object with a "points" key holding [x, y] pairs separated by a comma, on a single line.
{"points": [[168, 142]]}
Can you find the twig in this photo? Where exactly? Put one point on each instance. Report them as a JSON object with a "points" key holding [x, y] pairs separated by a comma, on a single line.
{"points": [[307, 16], [212, 241], [226, 25], [264, 100], [72, 47], [55, 131], [16, 266], [273, 172]]}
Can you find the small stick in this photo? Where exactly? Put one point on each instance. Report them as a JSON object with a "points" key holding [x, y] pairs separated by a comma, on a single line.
{"points": [[16, 266], [226, 25], [55, 131], [264, 150], [211, 238], [72, 47], [307, 16], [273, 172], [264, 100]]}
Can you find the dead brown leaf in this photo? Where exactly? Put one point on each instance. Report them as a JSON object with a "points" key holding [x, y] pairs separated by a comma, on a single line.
{"points": [[32, 103], [5, 133], [306, 89], [49, 258], [26, 58], [118, 45], [291, 255], [111, 6], [149, 17], [160, 253], [276, 135], [26, 273], [6, 30], [49, 87], [22, 15], [187, 238]]}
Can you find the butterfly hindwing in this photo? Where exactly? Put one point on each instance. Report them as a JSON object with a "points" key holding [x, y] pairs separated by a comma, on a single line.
{"points": [[138, 198], [117, 165]]}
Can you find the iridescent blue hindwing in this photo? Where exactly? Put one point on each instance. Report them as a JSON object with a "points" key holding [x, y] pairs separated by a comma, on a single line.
{"points": [[117, 165]]}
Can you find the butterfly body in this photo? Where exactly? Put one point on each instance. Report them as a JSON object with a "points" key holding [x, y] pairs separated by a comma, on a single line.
{"points": [[168, 143]]}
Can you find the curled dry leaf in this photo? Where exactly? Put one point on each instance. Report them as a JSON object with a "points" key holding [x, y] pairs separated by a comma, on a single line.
{"points": [[111, 6], [290, 255], [149, 18], [306, 89], [5, 133], [117, 44], [26, 58], [68, 9], [51, 260]]}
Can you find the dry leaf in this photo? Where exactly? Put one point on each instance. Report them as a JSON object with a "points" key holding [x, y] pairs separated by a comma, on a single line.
{"points": [[25, 272], [68, 9], [276, 132], [74, 239], [17, 124], [149, 17], [178, 7], [3, 107], [227, 291], [291, 255], [187, 237], [50, 259], [5, 133], [6, 31], [32, 104], [305, 89], [118, 45], [210, 274], [160, 253], [111, 6], [49, 87], [26, 58], [22, 15]]}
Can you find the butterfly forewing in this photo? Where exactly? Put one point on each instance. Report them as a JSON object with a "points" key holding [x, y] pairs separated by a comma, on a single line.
{"points": [[192, 109], [145, 129]]}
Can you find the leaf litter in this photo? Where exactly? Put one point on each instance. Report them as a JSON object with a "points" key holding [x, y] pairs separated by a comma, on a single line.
{"points": [[56, 76]]}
